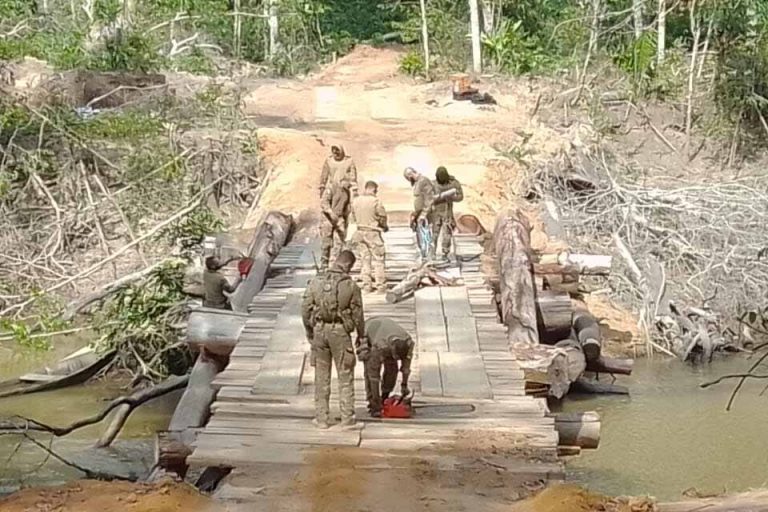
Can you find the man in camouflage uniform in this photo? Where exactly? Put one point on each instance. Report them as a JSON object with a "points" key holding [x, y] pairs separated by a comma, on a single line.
{"points": [[332, 309], [336, 168], [423, 197], [334, 207], [367, 242], [447, 191], [390, 343], [215, 284]]}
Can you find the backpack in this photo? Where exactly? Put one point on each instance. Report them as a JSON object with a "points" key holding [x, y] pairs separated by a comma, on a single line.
{"points": [[326, 288]]}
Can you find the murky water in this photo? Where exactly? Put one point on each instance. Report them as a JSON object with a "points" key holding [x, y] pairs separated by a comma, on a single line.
{"points": [[23, 464], [670, 435]]}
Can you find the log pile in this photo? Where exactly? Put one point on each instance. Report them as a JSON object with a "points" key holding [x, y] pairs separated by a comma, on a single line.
{"points": [[554, 343], [424, 274]]}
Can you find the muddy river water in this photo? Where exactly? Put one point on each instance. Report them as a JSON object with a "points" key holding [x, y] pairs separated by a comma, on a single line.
{"points": [[23, 463], [668, 436], [671, 435]]}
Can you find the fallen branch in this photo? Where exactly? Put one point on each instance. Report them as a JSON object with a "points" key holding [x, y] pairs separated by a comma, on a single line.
{"points": [[133, 401]]}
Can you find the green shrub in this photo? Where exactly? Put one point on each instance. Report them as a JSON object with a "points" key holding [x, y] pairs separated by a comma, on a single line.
{"points": [[412, 64]]}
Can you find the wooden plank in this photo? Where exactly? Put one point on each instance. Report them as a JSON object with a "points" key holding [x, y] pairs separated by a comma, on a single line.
{"points": [[462, 335], [280, 373], [455, 301], [429, 370], [463, 375], [289, 334], [282, 436], [431, 333]]}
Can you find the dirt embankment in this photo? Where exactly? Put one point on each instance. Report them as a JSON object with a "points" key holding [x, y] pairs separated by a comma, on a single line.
{"points": [[93, 496]]}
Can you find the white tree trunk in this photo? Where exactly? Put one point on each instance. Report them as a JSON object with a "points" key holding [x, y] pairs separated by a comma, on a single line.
{"points": [[474, 23], [488, 21], [273, 28], [425, 36], [661, 43], [637, 15], [696, 31]]}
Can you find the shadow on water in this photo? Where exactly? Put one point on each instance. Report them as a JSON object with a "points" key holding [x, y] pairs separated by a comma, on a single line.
{"points": [[671, 435]]}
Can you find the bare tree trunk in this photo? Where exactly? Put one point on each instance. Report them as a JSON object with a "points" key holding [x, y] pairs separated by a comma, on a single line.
{"points": [[696, 31], [425, 36], [661, 42], [237, 28], [488, 21], [273, 28], [474, 25], [637, 16]]}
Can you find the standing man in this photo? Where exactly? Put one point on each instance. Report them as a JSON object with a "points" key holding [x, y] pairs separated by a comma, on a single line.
{"points": [[333, 309], [334, 207], [390, 343], [367, 242], [447, 191], [423, 198], [215, 284], [337, 167]]}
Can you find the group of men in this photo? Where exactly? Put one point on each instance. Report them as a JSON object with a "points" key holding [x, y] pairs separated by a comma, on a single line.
{"points": [[332, 308], [432, 217]]}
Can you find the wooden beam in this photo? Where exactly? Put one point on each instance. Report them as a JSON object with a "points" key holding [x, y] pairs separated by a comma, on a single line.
{"points": [[580, 429]]}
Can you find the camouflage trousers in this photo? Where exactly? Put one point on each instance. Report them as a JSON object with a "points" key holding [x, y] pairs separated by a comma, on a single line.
{"points": [[332, 242], [442, 232], [368, 246], [377, 388], [332, 345]]}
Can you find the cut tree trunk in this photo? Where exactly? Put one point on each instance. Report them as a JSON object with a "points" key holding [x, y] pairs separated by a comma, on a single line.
{"points": [[555, 316], [216, 330], [170, 453], [414, 279], [271, 235], [192, 411], [474, 25], [512, 245], [611, 365], [556, 367], [587, 333], [580, 429], [573, 264]]}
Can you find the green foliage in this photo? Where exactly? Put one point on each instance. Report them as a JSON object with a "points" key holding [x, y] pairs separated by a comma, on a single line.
{"points": [[412, 63], [131, 51], [126, 124], [510, 49], [140, 321], [189, 232], [33, 332]]}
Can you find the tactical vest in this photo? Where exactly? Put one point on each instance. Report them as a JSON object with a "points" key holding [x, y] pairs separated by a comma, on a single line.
{"points": [[326, 287]]}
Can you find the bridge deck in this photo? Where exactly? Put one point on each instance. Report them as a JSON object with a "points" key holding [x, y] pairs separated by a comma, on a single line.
{"points": [[467, 382]]}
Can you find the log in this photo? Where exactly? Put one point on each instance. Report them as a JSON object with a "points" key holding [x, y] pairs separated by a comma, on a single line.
{"points": [[216, 330], [555, 367], [554, 314], [170, 453], [271, 235], [611, 365], [580, 429], [512, 245], [593, 387], [587, 333], [414, 279], [193, 409], [566, 262], [568, 451], [752, 501]]}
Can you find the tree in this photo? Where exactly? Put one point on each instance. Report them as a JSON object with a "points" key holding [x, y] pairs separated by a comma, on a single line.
{"points": [[474, 24]]}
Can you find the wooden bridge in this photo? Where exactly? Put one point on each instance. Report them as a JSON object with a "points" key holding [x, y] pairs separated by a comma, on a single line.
{"points": [[467, 383]]}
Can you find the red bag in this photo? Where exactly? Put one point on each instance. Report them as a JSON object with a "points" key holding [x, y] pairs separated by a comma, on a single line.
{"points": [[244, 266], [394, 408]]}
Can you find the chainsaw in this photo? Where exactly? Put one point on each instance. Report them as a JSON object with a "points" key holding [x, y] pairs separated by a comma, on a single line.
{"points": [[397, 407]]}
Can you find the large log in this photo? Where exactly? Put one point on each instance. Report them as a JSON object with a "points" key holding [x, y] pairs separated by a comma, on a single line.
{"points": [[580, 429], [171, 453], [593, 387], [611, 365], [270, 237], [512, 245], [556, 367], [216, 330], [554, 313], [587, 333], [415, 278], [573, 264]]}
